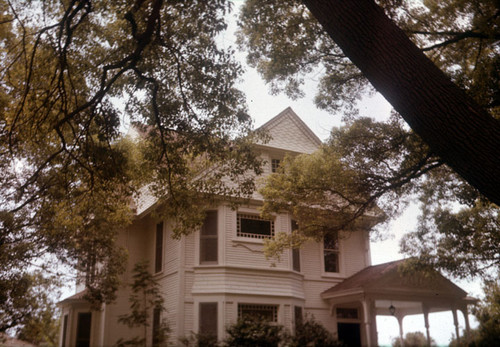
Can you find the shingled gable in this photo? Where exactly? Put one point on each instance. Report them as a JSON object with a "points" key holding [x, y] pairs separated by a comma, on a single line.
{"points": [[290, 133], [387, 278]]}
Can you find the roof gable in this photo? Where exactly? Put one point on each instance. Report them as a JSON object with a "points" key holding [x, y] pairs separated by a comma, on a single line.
{"points": [[288, 132]]}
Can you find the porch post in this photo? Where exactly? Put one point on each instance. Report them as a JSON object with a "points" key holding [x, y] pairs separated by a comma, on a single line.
{"points": [[455, 321], [465, 312], [426, 320], [367, 321], [400, 323]]}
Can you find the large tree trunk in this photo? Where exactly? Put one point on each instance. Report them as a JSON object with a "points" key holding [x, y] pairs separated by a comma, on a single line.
{"points": [[454, 126]]}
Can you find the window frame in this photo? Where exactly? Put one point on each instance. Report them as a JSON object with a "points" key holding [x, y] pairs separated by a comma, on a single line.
{"points": [[331, 251], [249, 216], [159, 239], [201, 320], [295, 251], [209, 236], [273, 309], [275, 164], [81, 329]]}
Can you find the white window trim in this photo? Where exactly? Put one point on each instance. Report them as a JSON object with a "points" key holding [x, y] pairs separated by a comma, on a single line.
{"points": [[250, 236], [341, 260]]}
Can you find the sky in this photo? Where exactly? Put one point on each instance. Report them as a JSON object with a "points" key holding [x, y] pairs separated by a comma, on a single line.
{"points": [[263, 106]]}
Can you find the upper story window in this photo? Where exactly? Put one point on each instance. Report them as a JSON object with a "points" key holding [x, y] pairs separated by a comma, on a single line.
{"points": [[295, 251], [268, 313], [331, 252], [275, 164], [208, 239], [159, 247], [254, 226]]}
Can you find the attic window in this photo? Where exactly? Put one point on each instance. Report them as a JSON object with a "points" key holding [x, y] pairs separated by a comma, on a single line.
{"points": [[275, 163], [254, 226]]}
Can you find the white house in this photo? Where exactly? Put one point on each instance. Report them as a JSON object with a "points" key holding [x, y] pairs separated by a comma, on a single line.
{"points": [[215, 275]]}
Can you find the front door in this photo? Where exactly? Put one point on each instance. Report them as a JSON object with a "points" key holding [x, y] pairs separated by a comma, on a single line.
{"points": [[349, 334]]}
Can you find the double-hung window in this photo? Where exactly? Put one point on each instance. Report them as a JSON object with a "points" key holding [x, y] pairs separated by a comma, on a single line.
{"points": [[295, 251], [208, 239], [208, 319], [254, 226], [159, 247], [331, 252]]}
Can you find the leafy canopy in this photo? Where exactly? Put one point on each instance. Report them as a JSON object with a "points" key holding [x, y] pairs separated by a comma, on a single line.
{"points": [[74, 74]]}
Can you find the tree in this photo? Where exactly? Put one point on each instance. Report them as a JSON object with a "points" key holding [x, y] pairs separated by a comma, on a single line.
{"points": [[462, 133], [145, 299], [67, 178], [487, 313], [412, 339], [28, 307], [363, 175]]}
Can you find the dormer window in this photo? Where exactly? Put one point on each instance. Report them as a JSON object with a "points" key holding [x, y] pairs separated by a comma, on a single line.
{"points": [[254, 226]]}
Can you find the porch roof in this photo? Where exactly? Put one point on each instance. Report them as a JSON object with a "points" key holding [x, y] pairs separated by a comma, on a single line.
{"points": [[409, 292]]}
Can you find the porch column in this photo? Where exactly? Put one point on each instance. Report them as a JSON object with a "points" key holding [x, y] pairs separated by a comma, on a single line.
{"points": [[455, 322], [465, 312], [367, 316], [400, 323], [425, 309]]}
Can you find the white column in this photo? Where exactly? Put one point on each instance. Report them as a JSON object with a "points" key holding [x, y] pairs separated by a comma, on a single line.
{"points": [[455, 322], [426, 320], [367, 321], [465, 312], [400, 323]]}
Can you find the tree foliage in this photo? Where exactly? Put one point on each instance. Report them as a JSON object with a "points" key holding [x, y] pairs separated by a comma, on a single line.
{"points": [[488, 316], [145, 297], [285, 43], [363, 175], [412, 339], [27, 305], [73, 72]]}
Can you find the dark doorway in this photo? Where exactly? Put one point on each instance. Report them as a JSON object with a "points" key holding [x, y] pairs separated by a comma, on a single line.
{"points": [[349, 334], [83, 329]]}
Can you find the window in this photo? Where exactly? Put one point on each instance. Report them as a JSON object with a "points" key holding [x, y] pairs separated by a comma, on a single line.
{"points": [[65, 330], [159, 247], [298, 315], [331, 252], [275, 164], [156, 326], [347, 313], [295, 251], [208, 319], [254, 226], [83, 325], [208, 239], [268, 313]]}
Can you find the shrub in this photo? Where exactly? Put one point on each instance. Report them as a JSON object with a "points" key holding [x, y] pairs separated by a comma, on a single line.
{"points": [[311, 333], [250, 332]]}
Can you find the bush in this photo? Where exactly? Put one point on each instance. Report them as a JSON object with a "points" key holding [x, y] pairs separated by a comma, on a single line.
{"points": [[312, 333], [250, 332]]}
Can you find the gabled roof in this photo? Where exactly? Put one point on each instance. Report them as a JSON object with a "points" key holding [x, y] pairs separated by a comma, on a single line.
{"points": [[288, 132]]}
